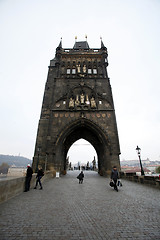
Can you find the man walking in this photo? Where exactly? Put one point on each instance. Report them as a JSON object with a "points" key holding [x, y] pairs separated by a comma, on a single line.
{"points": [[40, 174], [114, 177]]}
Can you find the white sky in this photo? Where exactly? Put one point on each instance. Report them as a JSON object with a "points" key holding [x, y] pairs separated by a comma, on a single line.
{"points": [[82, 151], [31, 30]]}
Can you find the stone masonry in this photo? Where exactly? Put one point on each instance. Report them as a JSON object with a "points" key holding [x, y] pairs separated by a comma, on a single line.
{"points": [[77, 103], [67, 210]]}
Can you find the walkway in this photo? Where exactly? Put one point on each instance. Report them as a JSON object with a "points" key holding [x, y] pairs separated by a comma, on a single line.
{"points": [[66, 210]]}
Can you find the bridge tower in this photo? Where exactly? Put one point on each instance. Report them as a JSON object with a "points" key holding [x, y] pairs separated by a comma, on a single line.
{"points": [[77, 104]]}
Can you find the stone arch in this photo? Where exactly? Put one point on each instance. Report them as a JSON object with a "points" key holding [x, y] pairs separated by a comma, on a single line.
{"points": [[88, 130]]}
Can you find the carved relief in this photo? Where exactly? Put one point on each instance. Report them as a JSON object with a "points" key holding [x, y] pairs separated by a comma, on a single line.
{"points": [[93, 103], [87, 100], [57, 105], [84, 69], [77, 102], [78, 68], [82, 98], [72, 115], [71, 103], [82, 101]]}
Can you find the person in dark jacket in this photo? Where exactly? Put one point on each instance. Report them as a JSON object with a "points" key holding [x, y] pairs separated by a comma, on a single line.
{"points": [[114, 177], [80, 177], [28, 178], [40, 174]]}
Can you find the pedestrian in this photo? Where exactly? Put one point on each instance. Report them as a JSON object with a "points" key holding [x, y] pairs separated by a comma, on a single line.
{"points": [[80, 177], [40, 174], [28, 178], [114, 177]]}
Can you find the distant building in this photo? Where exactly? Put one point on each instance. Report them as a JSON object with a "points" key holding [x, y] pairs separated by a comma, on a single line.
{"points": [[151, 165], [137, 170], [152, 168], [16, 171]]}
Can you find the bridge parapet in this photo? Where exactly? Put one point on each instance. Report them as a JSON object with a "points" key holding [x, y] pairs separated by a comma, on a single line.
{"points": [[10, 187], [149, 180]]}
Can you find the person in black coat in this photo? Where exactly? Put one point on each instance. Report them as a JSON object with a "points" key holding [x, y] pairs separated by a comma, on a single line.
{"points": [[80, 177], [114, 177], [28, 178], [40, 174]]}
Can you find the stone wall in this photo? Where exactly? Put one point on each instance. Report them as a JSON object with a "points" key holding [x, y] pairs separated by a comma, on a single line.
{"points": [[149, 180], [10, 187]]}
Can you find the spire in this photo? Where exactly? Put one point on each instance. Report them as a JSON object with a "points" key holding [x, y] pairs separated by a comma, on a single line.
{"points": [[102, 44], [60, 45]]}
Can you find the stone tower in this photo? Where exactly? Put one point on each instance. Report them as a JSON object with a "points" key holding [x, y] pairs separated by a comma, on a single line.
{"points": [[77, 104]]}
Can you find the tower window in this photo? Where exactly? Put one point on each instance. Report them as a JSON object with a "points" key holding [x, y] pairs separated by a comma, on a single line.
{"points": [[73, 71], [94, 71], [68, 70], [89, 71]]}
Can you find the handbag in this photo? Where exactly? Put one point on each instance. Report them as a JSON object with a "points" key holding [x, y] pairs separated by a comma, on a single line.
{"points": [[111, 183], [119, 183]]}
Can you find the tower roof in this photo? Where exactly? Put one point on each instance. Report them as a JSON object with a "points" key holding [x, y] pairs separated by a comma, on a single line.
{"points": [[81, 45]]}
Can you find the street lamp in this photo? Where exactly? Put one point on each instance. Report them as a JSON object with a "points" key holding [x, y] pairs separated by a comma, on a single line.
{"points": [[38, 150], [139, 155]]}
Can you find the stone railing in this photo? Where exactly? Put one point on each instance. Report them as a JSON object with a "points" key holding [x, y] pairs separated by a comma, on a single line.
{"points": [[150, 180], [12, 186]]}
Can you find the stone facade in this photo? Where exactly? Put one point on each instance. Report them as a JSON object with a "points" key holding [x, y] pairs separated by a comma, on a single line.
{"points": [[77, 104]]}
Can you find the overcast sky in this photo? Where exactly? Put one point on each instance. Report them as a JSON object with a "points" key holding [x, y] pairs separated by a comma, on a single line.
{"points": [[31, 30]]}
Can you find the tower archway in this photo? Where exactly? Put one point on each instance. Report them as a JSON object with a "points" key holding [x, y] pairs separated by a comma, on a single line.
{"points": [[82, 155], [83, 128]]}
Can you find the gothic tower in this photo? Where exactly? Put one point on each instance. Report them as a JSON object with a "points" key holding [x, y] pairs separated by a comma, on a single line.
{"points": [[77, 104]]}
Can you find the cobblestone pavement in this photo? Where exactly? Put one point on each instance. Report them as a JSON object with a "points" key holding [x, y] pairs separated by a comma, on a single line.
{"points": [[67, 210]]}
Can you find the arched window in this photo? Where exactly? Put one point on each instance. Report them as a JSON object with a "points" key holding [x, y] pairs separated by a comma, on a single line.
{"points": [[73, 71], [94, 70], [89, 70], [68, 70]]}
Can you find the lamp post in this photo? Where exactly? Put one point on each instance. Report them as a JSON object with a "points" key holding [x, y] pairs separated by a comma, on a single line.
{"points": [[38, 150], [139, 155]]}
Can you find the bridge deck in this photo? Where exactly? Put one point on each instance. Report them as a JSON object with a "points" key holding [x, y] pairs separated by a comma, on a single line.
{"points": [[66, 210]]}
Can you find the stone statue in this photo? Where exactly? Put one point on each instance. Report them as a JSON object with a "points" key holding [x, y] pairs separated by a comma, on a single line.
{"points": [[93, 103], [87, 100], [71, 103], [84, 68], [78, 68], [82, 98], [77, 101]]}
